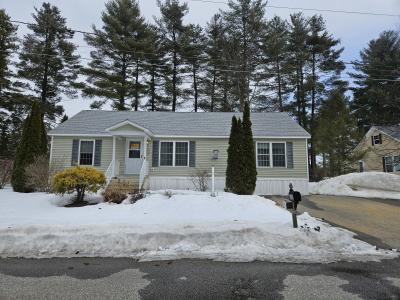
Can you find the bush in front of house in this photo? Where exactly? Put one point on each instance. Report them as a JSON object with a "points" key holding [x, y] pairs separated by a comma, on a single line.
{"points": [[80, 180], [33, 143], [115, 193], [241, 171]]}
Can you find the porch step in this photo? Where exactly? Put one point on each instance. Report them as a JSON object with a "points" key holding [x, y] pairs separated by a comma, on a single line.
{"points": [[125, 184]]}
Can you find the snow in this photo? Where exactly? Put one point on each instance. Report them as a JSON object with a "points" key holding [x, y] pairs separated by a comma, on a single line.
{"points": [[186, 225], [367, 184]]}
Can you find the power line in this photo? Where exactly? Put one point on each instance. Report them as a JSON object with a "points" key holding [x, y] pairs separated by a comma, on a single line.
{"points": [[183, 56], [200, 68], [312, 9]]}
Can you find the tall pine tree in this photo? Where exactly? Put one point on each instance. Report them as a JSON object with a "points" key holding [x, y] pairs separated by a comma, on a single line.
{"points": [[336, 133], [47, 61], [13, 105], [33, 144], [233, 181], [376, 95], [114, 73], [172, 31], [244, 22]]}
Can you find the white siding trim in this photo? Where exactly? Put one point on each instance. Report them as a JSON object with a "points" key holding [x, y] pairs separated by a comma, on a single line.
{"points": [[51, 150], [264, 186]]}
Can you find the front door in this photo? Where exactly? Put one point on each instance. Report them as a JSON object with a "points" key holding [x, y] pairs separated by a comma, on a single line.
{"points": [[133, 158]]}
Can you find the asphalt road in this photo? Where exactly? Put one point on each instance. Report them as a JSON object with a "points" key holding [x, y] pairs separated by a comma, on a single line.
{"points": [[376, 221], [96, 278]]}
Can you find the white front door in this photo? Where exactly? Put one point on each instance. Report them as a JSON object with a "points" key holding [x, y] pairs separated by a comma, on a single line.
{"points": [[133, 156]]}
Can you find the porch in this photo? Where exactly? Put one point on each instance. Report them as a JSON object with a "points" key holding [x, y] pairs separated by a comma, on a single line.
{"points": [[129, 162]]}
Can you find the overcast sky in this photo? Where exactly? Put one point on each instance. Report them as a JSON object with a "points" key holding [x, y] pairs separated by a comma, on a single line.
{"points": [[354, 31]]}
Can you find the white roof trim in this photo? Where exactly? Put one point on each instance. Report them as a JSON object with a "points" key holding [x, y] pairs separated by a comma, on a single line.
{"points": [[127, 122]]}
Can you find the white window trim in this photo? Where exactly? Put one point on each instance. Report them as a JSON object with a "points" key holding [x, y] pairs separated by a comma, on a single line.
{"points": [[79, 150], [173, 153], [271, 162], [393, 164]]}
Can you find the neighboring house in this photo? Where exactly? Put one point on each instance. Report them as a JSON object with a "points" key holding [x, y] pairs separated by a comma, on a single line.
{"points": [[381, 145], [162, 150]]}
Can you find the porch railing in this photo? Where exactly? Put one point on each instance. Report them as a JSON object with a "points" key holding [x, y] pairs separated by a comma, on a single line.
{"points": [[144, 171], [109, 171]]}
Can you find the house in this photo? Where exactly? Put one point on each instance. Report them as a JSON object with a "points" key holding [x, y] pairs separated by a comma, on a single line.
{"points": [[381, 146], [162, 150]]}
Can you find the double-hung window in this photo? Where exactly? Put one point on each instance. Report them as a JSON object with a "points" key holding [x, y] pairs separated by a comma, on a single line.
{"points": [[392, 163], [86, 149], [174, 154], [271, 154], [167, 154], [181, 154], [278, 155], [263, 155]]}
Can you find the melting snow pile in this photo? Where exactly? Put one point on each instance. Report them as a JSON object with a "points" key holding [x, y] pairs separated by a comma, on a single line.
{"points": [[367, 184], [186, 225]]}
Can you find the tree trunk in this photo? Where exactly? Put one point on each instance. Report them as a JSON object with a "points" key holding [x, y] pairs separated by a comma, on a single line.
{"points": [[195, 88], [137, 85], [312, 129], [174, 75], [153, 88], [278, 71], [213, 91]]}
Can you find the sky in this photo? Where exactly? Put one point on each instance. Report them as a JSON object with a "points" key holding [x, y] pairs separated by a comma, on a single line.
{"points": [[354, 31]]}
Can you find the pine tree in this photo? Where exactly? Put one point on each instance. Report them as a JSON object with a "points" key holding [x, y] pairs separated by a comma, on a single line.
{"points": [[248, 157], [172, 30], [298, 60], [33, 143], [113, 74], [275, 50], [244, 22], [12, 103], [211, 84], [376, 96], [337, 133], [47, 60], [193, 49], [324, 57], [154, 68], [64, 118]]}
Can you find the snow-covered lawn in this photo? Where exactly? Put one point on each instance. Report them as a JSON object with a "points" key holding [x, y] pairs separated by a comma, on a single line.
{"points": [[367, 184], [187, 225]]}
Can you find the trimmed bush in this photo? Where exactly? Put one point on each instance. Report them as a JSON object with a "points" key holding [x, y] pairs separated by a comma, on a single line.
{"points": [[80, 180], [115, 192], [33, 143]]}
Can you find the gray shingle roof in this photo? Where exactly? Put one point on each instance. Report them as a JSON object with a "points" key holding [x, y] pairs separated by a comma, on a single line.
{"points": [[393, 131], [179, 123]]}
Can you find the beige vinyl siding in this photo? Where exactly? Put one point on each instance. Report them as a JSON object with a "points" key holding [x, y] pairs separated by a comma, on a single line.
{"points": [[373, 154], [62, 150], [205, 147]]}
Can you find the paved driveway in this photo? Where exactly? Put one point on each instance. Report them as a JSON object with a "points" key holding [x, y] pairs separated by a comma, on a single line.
{"points": [[376, 221]]}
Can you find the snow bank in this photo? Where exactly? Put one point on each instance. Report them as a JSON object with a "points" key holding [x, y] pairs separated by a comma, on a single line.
{"points": [[186, 225], [367, 184]]}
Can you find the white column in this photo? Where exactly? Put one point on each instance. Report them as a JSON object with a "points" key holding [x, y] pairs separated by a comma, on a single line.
{"points": [[212, 182], [113, 157]]}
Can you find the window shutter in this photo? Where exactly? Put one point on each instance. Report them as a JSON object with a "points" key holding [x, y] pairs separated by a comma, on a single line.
{"points": [[380, 138], [372, 140], [97, 153], [384, 164], [74, 154], [155, 154], [289, 154], [192, 154]]}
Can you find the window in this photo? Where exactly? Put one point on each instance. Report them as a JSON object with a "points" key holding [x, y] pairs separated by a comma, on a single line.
{"points": [[278, 155], [392, 163], [263, 159], [86, 153], [166, 153], [134, 150], [181, 153], [376, 139]]}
